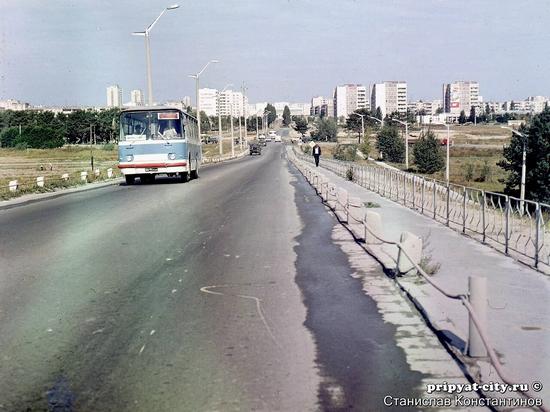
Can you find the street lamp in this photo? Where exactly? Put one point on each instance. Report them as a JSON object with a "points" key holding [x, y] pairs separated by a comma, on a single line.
{"points": [[406, 141], [362, 125], [196, 77], [220, 117], [448, 149], [523, 161], [377, 119], [148, 52]]}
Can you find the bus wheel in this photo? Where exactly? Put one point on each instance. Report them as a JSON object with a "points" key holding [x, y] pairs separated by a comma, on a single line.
{"points": [[195, 173], [130, 179], [184, 177]]}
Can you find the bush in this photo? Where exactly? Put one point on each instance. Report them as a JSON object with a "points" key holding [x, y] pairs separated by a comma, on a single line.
{"points": [[349, 174], [391, 145], [428, 155], [365, 148], [486, 172], [347, 152], [108, 147], [8, 136], [469, 172], [38, 137]]}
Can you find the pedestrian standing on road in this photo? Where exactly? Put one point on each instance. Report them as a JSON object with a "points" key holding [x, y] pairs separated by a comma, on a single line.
{"points": [[316, 154]]}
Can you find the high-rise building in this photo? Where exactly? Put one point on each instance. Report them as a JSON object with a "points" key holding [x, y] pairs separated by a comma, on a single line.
{"points": [[349, 98], [136, 97], [390, 97], [321, 106], [460, 95], [214, 102], [208, 99], [114, 96]]}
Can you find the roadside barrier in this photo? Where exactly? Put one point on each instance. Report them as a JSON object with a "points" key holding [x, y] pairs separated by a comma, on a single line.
{"points": [[50, 182], [409, 255], [515, 227]]}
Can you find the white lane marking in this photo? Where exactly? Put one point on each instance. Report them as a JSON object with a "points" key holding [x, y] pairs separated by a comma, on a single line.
{"points": [[168, 259], [180, 280], [206, 289], [152, 332], [97, 331], [174, 290], [142, 349]]}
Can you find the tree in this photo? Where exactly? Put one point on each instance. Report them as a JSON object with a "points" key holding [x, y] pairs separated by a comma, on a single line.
{"points": [[473, 115], [439, 110], [462, 117], [327, 130], [8, 136], [428, 155], [272, 114], [206, 126], [391, 145], [378, 113], [286, 116], [537, 145], [300, 125]]}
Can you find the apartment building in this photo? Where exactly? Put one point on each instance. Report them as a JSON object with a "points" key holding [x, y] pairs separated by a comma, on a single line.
{"points": [[349, 98], [321, 106], [114, 96], [461, 95], [390, 97]]}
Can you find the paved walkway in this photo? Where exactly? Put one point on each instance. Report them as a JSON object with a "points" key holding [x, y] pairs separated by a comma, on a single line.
{"points": [[518, 297]]}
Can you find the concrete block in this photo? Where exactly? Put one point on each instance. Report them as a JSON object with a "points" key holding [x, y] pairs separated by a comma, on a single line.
{"points": [[412, 245], [109, 173], [84, 176], [65, 176], [40, 181], [13, 185], [97, 172], [373, 221]]}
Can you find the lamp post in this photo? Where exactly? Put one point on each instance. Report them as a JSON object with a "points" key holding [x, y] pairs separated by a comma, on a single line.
{"points": [[448, 149], [196, 77], [406, 141], [220, 138], [243, 88], [362, 125], [377, 119], [148, 52], [523, 164]]}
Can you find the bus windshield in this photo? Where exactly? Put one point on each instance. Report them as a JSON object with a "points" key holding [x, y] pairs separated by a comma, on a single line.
{"points": [[151, 125]]}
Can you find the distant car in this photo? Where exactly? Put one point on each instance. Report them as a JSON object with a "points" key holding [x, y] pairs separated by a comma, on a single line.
{"points": [[255, 148], [278, 139], [262, 140], [272, 133]]}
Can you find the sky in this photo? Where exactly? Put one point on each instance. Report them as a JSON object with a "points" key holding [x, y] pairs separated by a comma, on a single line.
{"points": [[66, 52]]}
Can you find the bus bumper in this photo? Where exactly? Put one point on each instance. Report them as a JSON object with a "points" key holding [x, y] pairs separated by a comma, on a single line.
{"points": [[152, 168]]}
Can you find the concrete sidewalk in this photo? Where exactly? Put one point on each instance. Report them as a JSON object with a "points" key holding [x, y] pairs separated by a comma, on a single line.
{"points": [[518, 297]]}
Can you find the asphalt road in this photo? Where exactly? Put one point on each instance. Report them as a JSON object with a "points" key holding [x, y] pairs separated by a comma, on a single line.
{"points": [[224, 293]]}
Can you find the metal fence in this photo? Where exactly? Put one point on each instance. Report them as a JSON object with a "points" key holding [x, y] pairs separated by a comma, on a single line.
{"points": [[517, 228], [351, 213]]}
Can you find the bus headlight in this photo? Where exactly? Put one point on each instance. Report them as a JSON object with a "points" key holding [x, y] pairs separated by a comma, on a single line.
{"points": [[129, 158], [172, 156]]}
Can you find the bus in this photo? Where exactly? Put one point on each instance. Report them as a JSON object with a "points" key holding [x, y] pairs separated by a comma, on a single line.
{"points": [[158, 141]]}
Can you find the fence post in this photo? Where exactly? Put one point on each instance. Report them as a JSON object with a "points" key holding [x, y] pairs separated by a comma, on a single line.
{"points": [[435, 199], [404, 189], [507, 225], [448, 202], [464, 210], [537, 234], [484, 200], [414, 191], [478, 301], [422, 195]]}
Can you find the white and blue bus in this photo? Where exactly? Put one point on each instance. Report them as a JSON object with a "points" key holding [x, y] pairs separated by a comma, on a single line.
{"points": [[158, 141]]}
